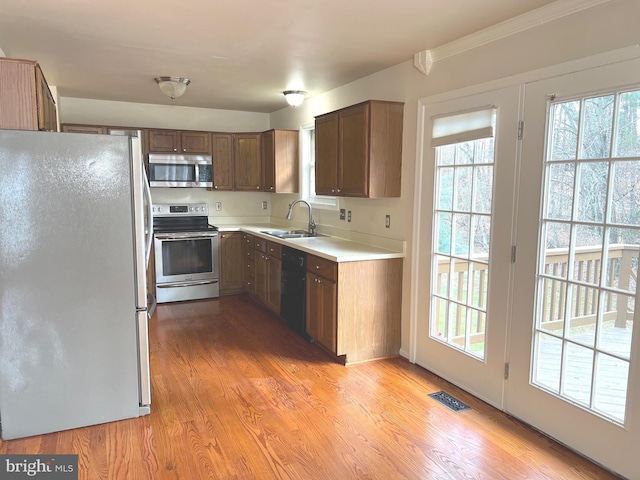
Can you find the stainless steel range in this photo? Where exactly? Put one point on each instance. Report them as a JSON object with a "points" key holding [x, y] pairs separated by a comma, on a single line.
{"points": [[186, 252]]}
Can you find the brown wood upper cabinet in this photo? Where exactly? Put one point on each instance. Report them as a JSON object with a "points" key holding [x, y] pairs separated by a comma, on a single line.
{"points": [[222, 151], [26, 102], [359, 150], [94, 129], [246, 161], [172, 141], [279, 161]]}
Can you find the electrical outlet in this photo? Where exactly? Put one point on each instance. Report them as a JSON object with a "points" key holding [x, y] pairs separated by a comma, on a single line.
{"points": [[349, 216], [387, 221], [342, 213], [218, 206], [264, 204]]}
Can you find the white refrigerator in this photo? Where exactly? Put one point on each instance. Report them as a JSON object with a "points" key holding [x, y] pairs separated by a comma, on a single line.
{"points": [[74, 247]]}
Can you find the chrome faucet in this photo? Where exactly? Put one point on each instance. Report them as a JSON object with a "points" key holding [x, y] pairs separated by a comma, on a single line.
{"points": [[312, 224]]}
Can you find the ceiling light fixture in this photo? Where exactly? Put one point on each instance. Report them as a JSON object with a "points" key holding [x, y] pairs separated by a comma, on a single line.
{"points": [[173, 87], [294, 97]]}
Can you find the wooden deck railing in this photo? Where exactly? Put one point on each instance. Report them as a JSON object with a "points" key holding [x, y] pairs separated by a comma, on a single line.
{"points": [[587, 264]]}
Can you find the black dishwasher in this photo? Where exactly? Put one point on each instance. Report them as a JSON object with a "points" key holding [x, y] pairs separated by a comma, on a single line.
{"points": [[293, 305]]}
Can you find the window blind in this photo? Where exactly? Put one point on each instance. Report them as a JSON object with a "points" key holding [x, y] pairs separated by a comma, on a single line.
{"points": [[463, 126]]}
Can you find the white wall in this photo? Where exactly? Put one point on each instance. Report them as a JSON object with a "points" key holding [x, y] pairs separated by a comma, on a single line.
{"points": [[597, 30], [102, 112]]}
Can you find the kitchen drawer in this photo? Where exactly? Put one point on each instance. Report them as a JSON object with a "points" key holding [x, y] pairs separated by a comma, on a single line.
{"points": [[247, 239], [322, 267], [249, 266], [274, 249], [249, 274], [260, 244]]}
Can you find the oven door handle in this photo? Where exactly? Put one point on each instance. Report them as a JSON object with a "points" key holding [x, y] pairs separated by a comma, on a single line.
{"points": [[185, 236], [185, 284]]}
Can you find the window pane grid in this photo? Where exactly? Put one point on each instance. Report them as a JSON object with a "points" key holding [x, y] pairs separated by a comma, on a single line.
{"points": [[461, 225], [590, 239]]}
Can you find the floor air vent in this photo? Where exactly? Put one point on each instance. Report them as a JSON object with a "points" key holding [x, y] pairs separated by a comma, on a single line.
{"points": [[449, 402]]}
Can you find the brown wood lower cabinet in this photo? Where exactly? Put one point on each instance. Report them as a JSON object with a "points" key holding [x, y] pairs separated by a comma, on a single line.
{"points": [[274, 276], [322, 311], [354, 308], [268, 273], [231, 255], [248, 265]]}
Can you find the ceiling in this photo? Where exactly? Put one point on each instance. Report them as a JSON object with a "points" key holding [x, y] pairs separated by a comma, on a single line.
{"points": [[239, 54]]}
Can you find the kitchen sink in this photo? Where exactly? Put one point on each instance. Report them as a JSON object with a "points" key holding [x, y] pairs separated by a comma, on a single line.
{"points": [[291, 233]]}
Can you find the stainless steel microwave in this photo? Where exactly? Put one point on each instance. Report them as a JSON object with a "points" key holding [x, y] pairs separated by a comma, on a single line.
{"points": [[180, 170]]}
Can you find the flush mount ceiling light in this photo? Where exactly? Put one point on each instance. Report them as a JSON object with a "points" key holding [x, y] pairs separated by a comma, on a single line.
{"points": [[172, 87], [294, 97]]}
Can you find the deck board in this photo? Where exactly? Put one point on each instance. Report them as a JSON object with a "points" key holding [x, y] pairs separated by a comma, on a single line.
{"points": [[611, 377]]}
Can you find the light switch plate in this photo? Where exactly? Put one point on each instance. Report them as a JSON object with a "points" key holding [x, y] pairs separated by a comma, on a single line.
{"points": [[264, 204], [387, 221], [349, 216], [218, 206], [342, 213]]}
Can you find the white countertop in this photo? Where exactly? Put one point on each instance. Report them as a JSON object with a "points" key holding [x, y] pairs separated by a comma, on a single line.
{"points": [[332, 248]]}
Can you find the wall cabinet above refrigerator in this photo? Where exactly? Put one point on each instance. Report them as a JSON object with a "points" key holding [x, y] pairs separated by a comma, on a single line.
{"points": [[26, 102]]}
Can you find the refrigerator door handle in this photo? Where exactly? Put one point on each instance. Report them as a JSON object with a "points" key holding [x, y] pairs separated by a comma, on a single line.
{"points": [[149, 236], [144, 380], [154, 304]]}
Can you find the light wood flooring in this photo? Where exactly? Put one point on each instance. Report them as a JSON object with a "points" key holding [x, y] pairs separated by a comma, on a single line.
{"points": [[237, 395]]}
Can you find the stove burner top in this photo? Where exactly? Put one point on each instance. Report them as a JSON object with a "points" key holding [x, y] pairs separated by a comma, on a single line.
{"points": [[190, 224], [179, 218]]}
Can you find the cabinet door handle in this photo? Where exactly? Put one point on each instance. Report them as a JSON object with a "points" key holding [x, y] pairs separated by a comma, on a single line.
{"points": [[215, 186], [258, 188], [317, 267], [175, 149]]}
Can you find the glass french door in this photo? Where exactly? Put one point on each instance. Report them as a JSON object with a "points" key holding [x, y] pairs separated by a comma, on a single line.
{"points": [[574, 344], [468, 189]]}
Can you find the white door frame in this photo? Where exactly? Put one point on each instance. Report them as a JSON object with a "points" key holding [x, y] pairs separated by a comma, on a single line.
{"points": [[421, 262], [422, 143]]}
